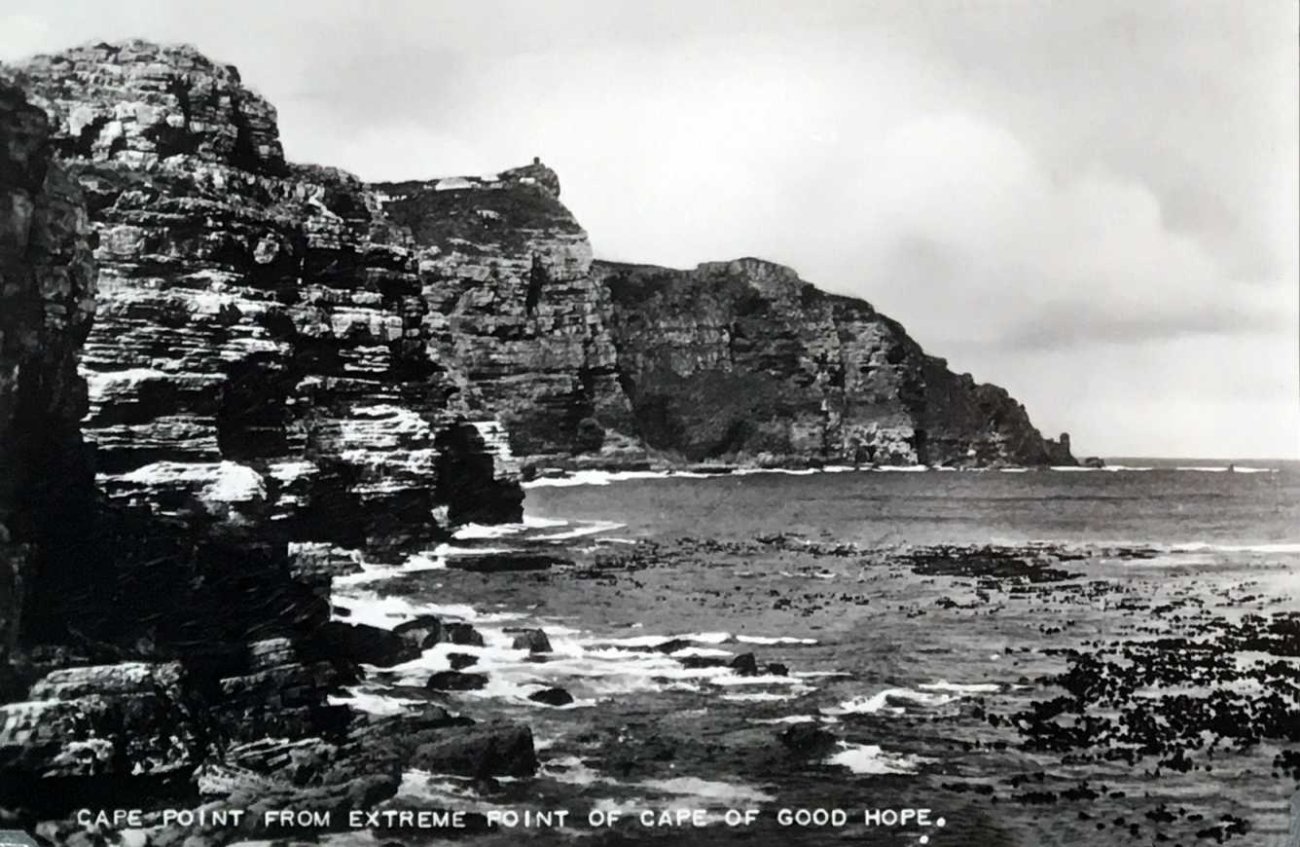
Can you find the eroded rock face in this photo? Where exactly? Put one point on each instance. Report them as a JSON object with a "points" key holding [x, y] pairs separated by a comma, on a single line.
{"points": [[47, 290], [743, 361], [264, 348], [505, 270]]}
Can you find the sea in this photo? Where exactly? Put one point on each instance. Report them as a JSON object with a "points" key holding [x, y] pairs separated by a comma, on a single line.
{"points": [[997, 657]]}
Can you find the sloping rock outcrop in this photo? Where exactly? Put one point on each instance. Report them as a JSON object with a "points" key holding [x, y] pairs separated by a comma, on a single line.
{"points": [[743, 361]]}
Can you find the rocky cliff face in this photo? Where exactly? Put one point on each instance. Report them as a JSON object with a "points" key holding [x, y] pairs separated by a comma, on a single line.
{"points": [[265, 348], [260, 372], [506, 274], [743, 361], [219, 633], [47, 290]]}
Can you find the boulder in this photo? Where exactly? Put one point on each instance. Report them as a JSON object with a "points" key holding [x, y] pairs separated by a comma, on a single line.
{"points": [[484, 750], [456, 681], [365, 644], [807, 739], [423, 631], [462, 633], [104, 730], [551, 697], [460, 661], [532, 640], [745, 665]]}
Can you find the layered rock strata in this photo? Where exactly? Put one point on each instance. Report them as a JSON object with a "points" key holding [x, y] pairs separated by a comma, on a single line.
{"points": [[260, 373], [265, 348], [743, 361], [506, 273]]}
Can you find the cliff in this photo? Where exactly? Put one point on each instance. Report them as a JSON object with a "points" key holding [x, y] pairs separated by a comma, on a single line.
{"points": [[743, 361], [369, 364], [258, 373], [47, 290], [507, 276], [264, 346]]}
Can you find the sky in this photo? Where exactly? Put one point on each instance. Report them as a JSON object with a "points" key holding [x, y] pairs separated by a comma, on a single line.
{"points": [[1095, 205]]}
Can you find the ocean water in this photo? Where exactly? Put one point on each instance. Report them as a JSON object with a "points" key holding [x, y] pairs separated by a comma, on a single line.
{"points": [[1034, 658]]}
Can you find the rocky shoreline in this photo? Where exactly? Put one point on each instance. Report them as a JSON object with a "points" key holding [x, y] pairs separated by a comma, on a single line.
{"points": [[228, 381]]}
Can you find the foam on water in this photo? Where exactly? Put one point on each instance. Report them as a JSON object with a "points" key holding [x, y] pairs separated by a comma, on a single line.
{"points": [[592, 528], [774, 639], [871, 759], [893, 701], [573, 770], [373, 702], [960, 688], [706, 789], [606, 477]]}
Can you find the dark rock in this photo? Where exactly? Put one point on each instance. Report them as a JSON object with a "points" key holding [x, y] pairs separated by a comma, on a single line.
{"points": [[807, 739], [484, 750], [462, 633], [423, 631], [505, 562], [365, 644], [47, 301], [696, 662], [552, 697], [532, 640], [385, 744], [673, 645], [456, 681], [99, 731], [776, 669], [1094, 462], [460, 661], [745, 665]]}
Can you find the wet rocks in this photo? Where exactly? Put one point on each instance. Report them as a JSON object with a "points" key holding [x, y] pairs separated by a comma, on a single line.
{"points": [[460, 661], [462, 633], [808, 740], [365, 644], [744, 665], [505, 562], [551, 697], [423, 631], [99, 729], [532, 640], [456, 681], [482, 750]]}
